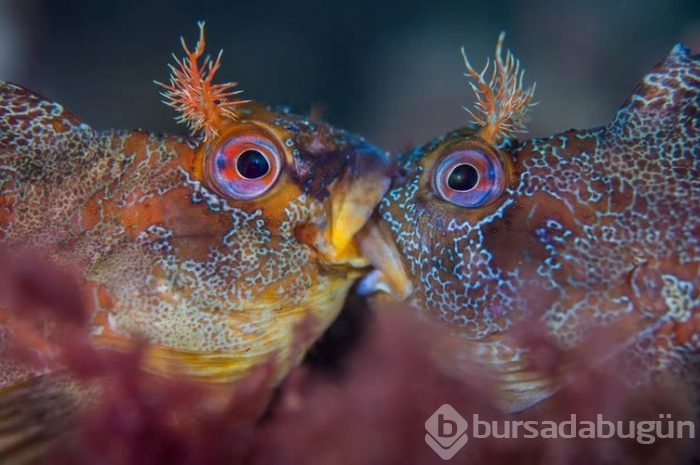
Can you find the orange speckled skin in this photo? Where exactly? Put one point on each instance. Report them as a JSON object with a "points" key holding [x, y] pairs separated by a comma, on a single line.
{"points": [[595, 227], [214, 285]]}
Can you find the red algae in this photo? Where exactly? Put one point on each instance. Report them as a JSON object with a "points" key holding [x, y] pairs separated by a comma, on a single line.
{"points": [[363, 397]]}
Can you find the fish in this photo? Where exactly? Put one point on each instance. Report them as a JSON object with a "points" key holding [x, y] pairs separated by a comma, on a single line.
{"points": [[216, 251], [582, 234]]}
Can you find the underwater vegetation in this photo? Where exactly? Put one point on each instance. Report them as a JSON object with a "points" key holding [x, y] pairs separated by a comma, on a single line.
{"points": [[365, 404]]}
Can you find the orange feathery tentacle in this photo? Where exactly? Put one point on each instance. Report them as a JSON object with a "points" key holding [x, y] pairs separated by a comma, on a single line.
{"points": [[501, 102], [202, 105]]}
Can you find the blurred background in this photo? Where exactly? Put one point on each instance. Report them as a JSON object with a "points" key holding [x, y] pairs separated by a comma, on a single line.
{"points": [[389, 70]]}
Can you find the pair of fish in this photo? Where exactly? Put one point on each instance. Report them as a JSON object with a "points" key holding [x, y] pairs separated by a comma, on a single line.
{"points": [[238, 245]]}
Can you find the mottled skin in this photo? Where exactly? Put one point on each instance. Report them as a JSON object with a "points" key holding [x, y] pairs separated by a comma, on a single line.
{"points": [[213, 284], [595, 227]]}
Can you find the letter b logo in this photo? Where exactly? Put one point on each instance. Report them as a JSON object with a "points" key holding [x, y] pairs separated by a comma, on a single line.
{"points": [[446, 432], [446, 428]]}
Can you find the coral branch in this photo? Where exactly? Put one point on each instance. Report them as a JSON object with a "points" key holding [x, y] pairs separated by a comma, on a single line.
{"points": [[501, 102], [201, 104]]}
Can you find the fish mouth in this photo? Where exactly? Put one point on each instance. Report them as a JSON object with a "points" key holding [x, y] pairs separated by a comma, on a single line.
{"points": [[389, 274], [352, 234], [353, 198]]}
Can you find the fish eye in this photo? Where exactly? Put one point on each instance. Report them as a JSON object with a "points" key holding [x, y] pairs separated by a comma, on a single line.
{"points": [[463, 178], [470, 177], [245, 166], [252, 164]]}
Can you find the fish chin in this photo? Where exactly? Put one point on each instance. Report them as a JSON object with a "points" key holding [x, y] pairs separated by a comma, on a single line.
{"points": [[279, 336]]}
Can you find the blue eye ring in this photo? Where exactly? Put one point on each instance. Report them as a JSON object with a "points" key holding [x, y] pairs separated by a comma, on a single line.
{"points": [[469, 177]]}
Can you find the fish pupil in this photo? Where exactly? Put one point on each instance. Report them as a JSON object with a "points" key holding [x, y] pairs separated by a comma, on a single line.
{"points": [[252, 164], [463, 177]]}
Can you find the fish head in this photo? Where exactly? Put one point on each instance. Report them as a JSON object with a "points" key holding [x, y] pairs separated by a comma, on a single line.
{"points": [[242, 247], [571, 234], [219, 251]]}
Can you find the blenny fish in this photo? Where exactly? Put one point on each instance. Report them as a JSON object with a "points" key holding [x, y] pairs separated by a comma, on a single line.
{"points": [[575, 233], [221, 250]]}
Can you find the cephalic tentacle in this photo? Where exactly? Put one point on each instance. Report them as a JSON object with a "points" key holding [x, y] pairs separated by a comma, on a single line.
{"points": [[502, 101], [201, 104]]}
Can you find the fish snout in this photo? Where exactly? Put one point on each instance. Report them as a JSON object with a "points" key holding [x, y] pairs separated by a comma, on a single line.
{"points": [[353, 195], [357, 230]]}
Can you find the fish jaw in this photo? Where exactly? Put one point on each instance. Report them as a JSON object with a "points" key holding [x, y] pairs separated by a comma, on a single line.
{"points": [[277, 338], [389, 275], [353, 198]]}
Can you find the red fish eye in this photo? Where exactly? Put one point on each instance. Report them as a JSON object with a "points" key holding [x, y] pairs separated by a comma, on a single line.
{"points": [[245, 166], [469, 177]]}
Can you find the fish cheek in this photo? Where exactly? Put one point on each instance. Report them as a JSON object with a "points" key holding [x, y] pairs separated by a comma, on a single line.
{"points": [[528, 241], [512, 239]]}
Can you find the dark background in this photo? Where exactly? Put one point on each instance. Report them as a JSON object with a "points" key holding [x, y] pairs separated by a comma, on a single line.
{"points": [[389, 70]]}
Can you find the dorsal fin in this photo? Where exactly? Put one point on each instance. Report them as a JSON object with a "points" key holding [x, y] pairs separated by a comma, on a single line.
{"points": [[42, 146], [31, 124], [667, 99]]}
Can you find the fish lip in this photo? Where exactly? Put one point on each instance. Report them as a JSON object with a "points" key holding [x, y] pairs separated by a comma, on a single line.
{"points": [[354, 197], [389, 274]]}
